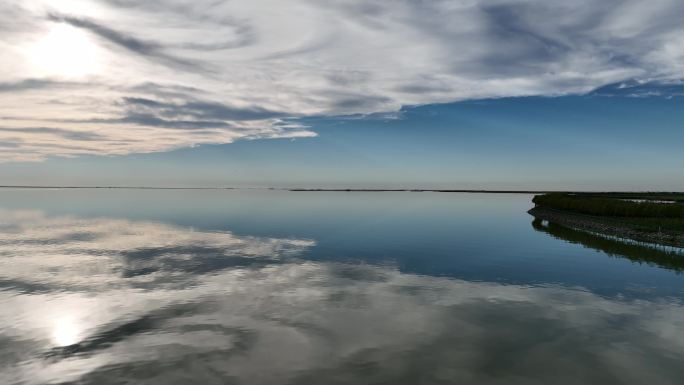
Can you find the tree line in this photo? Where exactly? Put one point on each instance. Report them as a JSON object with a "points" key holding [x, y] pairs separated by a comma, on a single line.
{"points": [[609, 207]]}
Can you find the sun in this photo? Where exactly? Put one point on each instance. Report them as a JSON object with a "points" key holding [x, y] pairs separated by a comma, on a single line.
{"points": [[65, 51], [65, 332]]}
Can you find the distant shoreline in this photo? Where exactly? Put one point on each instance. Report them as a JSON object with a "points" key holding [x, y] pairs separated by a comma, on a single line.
{"points": [[473, 191], [284, 189], [419, 190]]}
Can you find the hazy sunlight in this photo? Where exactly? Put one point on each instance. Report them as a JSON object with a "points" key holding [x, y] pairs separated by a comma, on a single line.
{"points": [[65, 51]]}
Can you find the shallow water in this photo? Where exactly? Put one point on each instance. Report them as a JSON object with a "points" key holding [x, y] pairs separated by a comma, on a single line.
{"points": [[273, 287]]}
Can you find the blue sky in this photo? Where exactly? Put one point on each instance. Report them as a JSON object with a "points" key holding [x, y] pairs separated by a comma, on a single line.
{"points": [[495, 94], [603, 140]]}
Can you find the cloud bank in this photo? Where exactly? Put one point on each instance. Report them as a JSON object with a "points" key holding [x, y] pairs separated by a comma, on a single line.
{"points": [[111, 77]]}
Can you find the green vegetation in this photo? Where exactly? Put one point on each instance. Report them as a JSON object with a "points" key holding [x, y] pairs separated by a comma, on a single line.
{"points": [[618, 208], [649, 196], [609, 207]]}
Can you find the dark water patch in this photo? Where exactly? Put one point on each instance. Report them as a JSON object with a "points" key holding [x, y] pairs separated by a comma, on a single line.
{"points": [[188, 369], [354, 273], [196, 260]]}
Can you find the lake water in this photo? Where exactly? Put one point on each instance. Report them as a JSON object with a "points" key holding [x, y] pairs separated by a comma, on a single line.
{"points": [[275, 287]]}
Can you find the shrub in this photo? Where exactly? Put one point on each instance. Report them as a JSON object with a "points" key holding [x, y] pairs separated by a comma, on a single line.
{"points": [[609, 207]]}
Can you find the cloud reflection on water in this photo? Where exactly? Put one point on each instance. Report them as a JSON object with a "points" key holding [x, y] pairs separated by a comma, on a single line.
{"points": [[159, 304]]}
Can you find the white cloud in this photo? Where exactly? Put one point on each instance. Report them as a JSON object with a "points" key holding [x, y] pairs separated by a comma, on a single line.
{"points": [[266, 60]]}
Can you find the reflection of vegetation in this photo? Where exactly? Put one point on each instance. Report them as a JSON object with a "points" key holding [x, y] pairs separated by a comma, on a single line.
{"points": [[664, 257], [646, 214]]}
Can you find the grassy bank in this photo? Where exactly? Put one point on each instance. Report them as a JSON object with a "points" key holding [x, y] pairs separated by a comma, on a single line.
{"points": [[647, 196], [619, 208]]}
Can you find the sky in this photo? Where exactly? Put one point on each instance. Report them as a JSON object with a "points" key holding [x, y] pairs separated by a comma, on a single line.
{"points": [[496, 94]]}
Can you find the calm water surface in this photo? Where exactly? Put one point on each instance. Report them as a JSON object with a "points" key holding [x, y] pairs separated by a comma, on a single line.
{"points": [[270, 287]]}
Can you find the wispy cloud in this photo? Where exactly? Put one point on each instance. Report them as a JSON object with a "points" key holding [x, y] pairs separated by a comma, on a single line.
{"points": [[148, 49], [212, 72], [633, 88], [201, 109]]}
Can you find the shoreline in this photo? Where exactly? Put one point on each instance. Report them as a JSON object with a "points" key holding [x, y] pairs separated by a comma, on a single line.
{"points": [[286, 189], [298, 189], [607, 227]]}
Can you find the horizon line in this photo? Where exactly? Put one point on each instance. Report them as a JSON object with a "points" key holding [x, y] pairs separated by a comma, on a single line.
{"points": [[315, 189]]}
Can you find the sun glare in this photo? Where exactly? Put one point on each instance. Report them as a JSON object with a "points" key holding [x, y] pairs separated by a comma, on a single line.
{"points": [[65, 333], [64, 51]]}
